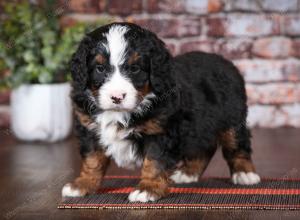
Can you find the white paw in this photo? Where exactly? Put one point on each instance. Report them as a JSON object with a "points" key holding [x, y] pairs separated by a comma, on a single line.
{"points": [[245, 178], [140, 196], [69, 191], [180, 177]]}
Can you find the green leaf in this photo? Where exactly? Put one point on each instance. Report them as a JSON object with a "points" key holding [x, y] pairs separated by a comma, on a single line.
{"points": [[45, 77]]}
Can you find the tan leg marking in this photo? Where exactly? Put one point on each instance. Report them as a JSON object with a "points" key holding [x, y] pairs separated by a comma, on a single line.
{"points": [[153, 185], [192, 169], [92, 171], [228, 140], [239, 161]]}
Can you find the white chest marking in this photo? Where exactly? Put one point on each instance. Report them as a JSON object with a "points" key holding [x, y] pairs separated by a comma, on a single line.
{"points": [[113, 139]]}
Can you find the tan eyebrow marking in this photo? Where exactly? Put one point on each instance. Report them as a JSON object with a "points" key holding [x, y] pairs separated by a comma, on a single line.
{"points": [[133, 58], [100, 59]]}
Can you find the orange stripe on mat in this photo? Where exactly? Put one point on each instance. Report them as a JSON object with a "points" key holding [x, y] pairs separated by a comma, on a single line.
{"points": [[259, 191]]}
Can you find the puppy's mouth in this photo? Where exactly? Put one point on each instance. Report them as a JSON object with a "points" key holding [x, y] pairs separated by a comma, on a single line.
{"points": [[120, 108]]}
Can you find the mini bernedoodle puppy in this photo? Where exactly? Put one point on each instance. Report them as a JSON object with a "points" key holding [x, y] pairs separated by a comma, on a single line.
{"points": [[138, 105]]}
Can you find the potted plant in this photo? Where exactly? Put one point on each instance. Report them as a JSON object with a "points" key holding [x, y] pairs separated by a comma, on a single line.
{"points": [[36, 51]]}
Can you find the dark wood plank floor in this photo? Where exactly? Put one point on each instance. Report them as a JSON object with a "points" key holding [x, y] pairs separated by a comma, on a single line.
{"points": [[32, 175]]}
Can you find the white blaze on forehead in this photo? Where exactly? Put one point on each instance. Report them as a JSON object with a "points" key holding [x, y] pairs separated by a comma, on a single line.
{"points": [[117, 84], [116, 44]]}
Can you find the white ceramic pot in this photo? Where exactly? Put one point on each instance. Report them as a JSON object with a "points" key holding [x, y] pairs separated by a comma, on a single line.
{"points": [[41, 112]]}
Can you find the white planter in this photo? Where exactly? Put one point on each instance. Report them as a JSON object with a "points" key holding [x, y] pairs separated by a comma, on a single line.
{"points": [[41, 112]]}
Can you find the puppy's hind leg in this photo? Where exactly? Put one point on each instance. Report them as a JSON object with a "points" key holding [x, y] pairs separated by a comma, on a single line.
{"points": [[237, 152], [192, 169]]}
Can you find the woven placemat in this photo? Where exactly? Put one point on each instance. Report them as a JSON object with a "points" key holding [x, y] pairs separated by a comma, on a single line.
{"points": [[208, 193]]}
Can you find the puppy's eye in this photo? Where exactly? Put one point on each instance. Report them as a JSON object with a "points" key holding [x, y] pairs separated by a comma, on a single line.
{"points": [[135, 69], [101, 68]]}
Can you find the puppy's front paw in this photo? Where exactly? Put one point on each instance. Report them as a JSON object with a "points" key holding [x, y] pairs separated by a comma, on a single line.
{"points": [[70, 190], [180, 177], [142, 196], [243, 178]]}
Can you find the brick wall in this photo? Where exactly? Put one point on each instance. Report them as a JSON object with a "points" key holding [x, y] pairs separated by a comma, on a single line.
{"points": [[262, 37]]}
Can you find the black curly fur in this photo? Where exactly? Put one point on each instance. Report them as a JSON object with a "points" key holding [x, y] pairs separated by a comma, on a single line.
{"points": [[198, 96]]}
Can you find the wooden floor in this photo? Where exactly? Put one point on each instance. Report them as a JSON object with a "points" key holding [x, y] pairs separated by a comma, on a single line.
{"points": [[32, 175]]}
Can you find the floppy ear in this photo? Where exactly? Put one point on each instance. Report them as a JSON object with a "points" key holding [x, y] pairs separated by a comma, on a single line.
{"points": [[78, 63], [161, 77], [81, 95]]}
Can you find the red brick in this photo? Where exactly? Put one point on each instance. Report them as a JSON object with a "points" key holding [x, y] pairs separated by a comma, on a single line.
{"points": [[296, 48], [201, 45], [164, 28], [243, 25], [204, 6], [272, 47], [152, 6], [273, 93], [169, 6], [89, 6], [4, 97], [216, 26], [67, 21], [171, 27], [214, 6], [292, 25], [252, 25], [181, 6], [234, 48], [291, 70], [258, 71], [125, 7], [189, 26], [72, 19], [102, 5]]}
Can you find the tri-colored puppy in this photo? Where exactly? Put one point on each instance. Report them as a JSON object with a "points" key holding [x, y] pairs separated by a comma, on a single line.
{"points": [[138, 105]]}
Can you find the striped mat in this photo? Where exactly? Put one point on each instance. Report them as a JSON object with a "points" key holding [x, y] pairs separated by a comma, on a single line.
{"points": [[208, 193]]}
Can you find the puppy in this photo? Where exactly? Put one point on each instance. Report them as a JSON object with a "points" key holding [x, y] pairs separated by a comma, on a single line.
{"points": [[138, 105]]}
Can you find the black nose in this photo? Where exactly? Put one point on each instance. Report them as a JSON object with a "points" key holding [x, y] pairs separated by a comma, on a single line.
{"points": [[118, 99]]}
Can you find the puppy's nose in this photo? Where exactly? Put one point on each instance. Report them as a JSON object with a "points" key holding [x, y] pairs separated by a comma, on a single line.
{"points": [[118, 98]]}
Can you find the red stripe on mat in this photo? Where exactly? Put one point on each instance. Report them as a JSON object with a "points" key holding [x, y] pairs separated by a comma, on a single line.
{"points": [[138, 177], [180, 205], [239, 191]]}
